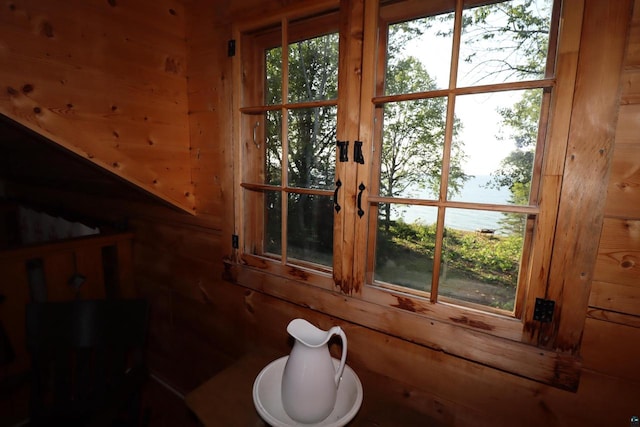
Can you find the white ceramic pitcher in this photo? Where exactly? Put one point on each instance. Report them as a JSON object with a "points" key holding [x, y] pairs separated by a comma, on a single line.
{"points": [[310, 380]]}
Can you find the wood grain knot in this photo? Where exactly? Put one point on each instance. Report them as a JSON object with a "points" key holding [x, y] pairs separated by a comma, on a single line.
{"points": [[622, 185], [46, 29], [628, 262], [171, 66]]}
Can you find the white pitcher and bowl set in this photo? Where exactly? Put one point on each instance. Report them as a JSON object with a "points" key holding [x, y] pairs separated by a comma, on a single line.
{"points": [[308, 387]]}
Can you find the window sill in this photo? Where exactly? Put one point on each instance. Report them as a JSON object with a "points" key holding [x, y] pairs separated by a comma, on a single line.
{"points": [[549, 367]]}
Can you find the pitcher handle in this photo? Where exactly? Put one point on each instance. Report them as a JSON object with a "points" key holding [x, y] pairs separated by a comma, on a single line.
{"points": [[337, 330]]}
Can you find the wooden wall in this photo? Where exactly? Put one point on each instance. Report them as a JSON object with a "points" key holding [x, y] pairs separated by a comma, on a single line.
{"points": [[448, 389], [202, 322], [105, 79], [612, 331]]}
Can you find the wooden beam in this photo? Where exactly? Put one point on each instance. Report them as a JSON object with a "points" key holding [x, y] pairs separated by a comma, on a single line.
{"points": [[586, 169]]}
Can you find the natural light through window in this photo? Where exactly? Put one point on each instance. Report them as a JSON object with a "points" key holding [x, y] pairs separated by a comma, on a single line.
{"points": [[459, 136]]}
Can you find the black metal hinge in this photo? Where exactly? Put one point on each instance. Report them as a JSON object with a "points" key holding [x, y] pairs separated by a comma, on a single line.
{"points": [[357, 152], [231, 48], [343, 151], [234, 241], [543, 310]]}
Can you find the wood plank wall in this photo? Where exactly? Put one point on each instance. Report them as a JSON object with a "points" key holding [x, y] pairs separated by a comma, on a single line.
{"points": [[201, 322], [612, 332], [105, 79], [448, 389]]}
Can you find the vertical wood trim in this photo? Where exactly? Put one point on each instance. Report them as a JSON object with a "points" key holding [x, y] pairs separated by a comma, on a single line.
{"points": [[375, 42], [235, 218], [362, 175], [554, 154], [349, 86], [586, 169]]}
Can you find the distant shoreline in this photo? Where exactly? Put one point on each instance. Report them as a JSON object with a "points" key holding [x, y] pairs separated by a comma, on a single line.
{"points": [[463, 219]]}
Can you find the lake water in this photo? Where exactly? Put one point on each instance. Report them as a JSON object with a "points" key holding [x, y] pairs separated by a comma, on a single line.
{"points": [[463, 219]]}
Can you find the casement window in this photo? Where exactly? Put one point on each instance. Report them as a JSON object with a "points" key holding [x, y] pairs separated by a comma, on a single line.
{"points": [[405, 155]]}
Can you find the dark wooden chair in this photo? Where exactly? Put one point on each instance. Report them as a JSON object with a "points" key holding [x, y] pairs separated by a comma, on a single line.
{"points": [[88, 362]]}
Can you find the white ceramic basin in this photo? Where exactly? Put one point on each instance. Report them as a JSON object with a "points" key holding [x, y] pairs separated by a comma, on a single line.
{"points": [[268, 400]]}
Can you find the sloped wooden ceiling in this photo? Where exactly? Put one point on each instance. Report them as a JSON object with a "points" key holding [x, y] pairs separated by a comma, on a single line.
{"points": [[106, 80], [28, 159]]}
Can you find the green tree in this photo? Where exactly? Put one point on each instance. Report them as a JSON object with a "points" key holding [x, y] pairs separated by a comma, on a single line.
{"points": [[509, 38], [313, 69], [512, 40], [517, 167]]}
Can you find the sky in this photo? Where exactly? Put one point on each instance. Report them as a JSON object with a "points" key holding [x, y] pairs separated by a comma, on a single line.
{"points": [[478, 113]]}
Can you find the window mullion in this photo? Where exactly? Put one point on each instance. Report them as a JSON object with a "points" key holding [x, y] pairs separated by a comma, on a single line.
{"points": [[345, 255], [446, 157], [359, 99], [370, 128], [284, 197]]}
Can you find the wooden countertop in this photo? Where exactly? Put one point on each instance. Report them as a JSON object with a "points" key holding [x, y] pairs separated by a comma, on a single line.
{"points": [[226, 399]]}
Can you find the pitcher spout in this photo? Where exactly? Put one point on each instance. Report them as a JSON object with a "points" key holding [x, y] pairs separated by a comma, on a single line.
{"points": [[308, 334]]}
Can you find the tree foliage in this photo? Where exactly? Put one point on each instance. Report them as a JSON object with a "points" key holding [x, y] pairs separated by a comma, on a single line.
{"points": [[509, 38], [413, 131], [515, 38], [313, 70]]}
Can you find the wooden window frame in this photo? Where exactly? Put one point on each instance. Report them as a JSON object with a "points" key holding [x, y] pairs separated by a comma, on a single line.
{"points": [[290, 30], [548, 353], [411, 9]]}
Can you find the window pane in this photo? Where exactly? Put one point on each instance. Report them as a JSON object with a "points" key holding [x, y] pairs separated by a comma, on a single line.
{"points": [[273, 138], [273, 221], [476, 220], [504, 42], [498, 158], [405, 245], [312, 136], [481, 266], [273, 84], [313, 69], [412, 147], [310, 228], [419, 55]]}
